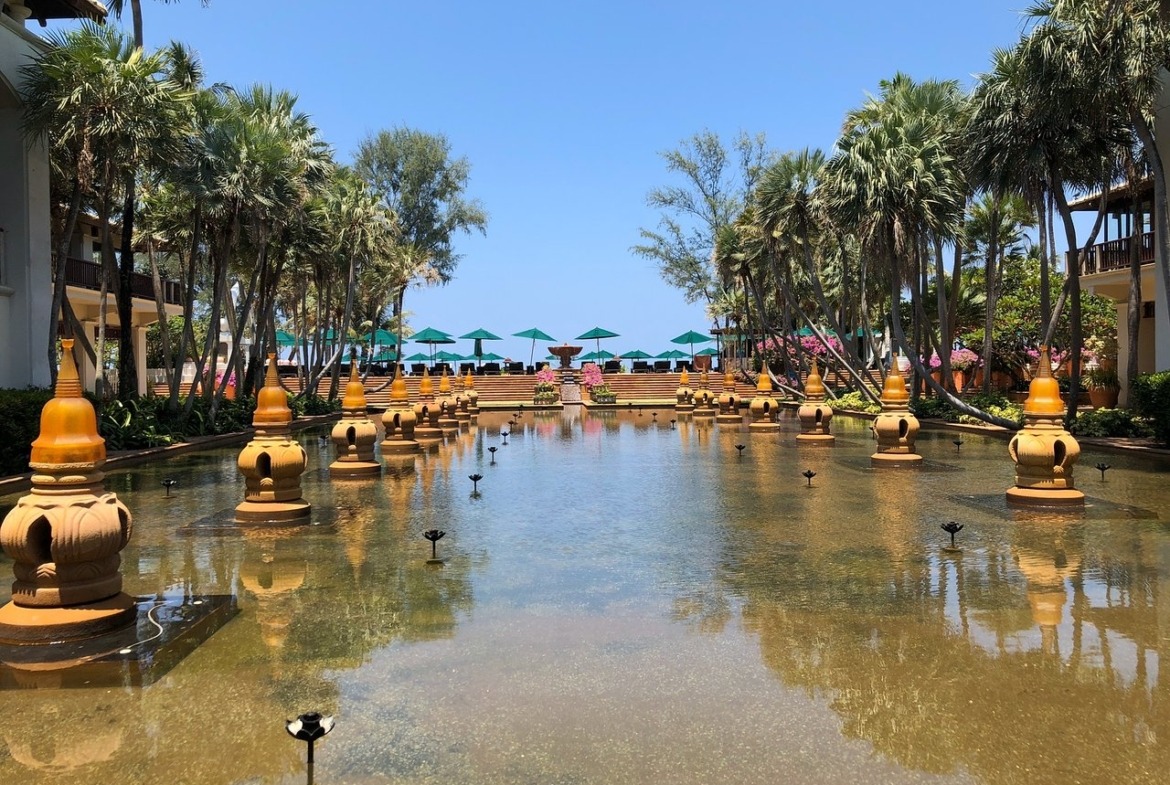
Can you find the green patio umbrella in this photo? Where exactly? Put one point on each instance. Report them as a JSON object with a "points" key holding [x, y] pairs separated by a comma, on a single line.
{"points": [[285, 338], [596, 334], [692, 338], [536, 334], [598, 355], [432, 336], [492, 357], [479, 336], [384, 356], [637, 354], [673, 354], [713, 352], [448, 357], [417, 357]]}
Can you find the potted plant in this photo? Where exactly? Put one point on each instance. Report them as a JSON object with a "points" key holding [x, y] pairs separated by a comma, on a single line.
{"points": [[1104, 387], [545, 392], [962, 361], [601, 393]]}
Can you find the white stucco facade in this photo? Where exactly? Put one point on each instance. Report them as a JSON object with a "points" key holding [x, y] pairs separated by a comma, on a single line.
{"points": [[25, 252]]}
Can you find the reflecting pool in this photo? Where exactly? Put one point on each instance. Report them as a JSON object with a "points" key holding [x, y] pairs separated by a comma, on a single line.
{"points": [[627, 602]]}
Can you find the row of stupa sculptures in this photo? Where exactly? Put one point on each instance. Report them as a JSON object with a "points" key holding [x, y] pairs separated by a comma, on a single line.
{"points": [[65, 536], [1043, 451]]}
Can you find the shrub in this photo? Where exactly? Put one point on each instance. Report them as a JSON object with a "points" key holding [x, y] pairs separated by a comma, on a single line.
{"points": [[312, 405], [855, 401], [20, 420], [1149, 397], [133, 425], [1109, 422]]}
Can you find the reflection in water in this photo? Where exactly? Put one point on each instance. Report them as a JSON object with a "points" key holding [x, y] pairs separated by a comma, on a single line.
{"points": [[631, 603]]}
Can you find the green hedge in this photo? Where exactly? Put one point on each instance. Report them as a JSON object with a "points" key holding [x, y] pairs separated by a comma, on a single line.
{"points": [[1149, 397], [1109, 422], [132, 425], [20, 422], [998, 405]]}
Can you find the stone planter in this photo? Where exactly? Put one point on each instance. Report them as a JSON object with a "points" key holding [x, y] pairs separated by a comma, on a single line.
{"points": [[603, 398], [1103, 397]]}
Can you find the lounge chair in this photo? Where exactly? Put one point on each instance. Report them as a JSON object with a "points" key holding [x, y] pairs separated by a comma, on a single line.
{"points": [[683, 365], [516, 368], [466, 368], [490, 369], [417, 369], [639, 366], [661, 366], [612, 366]]}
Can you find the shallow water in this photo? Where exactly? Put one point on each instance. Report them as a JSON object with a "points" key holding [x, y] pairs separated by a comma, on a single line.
{"points": [[627, 603]]}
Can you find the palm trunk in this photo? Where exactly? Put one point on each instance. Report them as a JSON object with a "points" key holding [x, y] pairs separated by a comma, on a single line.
{"points": [[160, 305]]}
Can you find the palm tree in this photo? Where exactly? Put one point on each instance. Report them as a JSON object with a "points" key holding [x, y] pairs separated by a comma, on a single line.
{"points": [[106, 109], [897, 181]]}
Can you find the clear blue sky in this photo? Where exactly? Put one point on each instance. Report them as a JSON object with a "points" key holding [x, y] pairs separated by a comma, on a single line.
{"points": [[563, 108]]}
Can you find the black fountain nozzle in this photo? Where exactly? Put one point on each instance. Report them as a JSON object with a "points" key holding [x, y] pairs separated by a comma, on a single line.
{"points": [[512, 424], [168, 483], [434, 535], [740, 447], [309, 727], [475, 478], [951, 528], [808, 474], [654, 415], [504, 435], [958, 444], [672, 422], [1102, 467], [492, 450]]}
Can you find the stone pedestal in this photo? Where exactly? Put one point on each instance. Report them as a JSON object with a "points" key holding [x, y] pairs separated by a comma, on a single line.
{"points": [[448, 405], [729, 413], [684, 395], [763, 407], [273, 462], [1043, 451], [66, 535], [704, 398], [399, 422], [354, 434], [896, 427], [814, 413], [426, 413], [464, 402]]}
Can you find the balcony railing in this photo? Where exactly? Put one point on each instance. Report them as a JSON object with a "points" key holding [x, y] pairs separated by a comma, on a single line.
{"points": [[88, 275], [1114, 255]]}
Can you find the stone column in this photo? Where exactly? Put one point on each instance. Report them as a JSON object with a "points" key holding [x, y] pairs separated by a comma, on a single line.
{"points": [[896, 427]]}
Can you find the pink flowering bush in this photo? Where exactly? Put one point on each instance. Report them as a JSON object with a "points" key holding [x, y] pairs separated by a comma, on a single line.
{"points": [[964, 360], [773, 349], [546, 375], [590, 375]]}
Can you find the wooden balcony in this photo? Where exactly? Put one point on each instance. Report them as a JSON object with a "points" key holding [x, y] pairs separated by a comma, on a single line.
{"points": [[1114, 255], [88, 275]]}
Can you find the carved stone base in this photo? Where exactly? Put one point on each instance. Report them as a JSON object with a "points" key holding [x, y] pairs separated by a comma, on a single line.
{"points": [[343, 469], [1042, 497], [764, 427], [399, 447], [818, 438], [684, 408], [428, 434], [291, 512], [702, 412], [21, 625], [895, 459], [729, 419]]}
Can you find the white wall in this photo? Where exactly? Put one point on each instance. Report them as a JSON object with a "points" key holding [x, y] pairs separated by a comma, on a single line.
{"points": [[26, 283]]}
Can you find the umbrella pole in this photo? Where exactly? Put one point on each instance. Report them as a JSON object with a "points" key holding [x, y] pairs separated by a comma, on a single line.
{"points": [[532, 353]]}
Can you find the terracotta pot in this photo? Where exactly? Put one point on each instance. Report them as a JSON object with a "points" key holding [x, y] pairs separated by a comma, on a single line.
{"points": [[1103, 397], [959, 379], [229, 392]]}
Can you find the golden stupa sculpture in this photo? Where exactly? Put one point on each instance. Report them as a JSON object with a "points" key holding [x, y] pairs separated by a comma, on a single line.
{"points": [[1043, 451], [355, 434], [728, 401], [398, 420], [684, 395], [273, 462], [470, 397], [703, 397], [896, 427], [462, 404], [764, 407], [426, 412], [814, 412], [65, 536], [448, 405]]}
